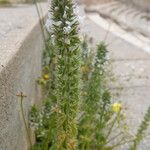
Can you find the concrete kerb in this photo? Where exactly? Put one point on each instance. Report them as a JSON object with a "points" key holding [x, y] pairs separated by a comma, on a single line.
{"points": [[20, 70]]}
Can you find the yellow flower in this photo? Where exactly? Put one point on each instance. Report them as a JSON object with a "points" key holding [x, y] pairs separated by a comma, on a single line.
{"points": [[46, 76], [55, 109], [85, 69], [117, 107], [84, 93]]}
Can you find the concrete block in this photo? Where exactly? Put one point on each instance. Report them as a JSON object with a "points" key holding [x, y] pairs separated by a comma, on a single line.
{"points": [[89, 2], [21, 52], [144, 4]]}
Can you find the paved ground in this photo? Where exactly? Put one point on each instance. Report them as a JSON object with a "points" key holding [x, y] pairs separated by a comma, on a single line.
{"points": [[131, 64], [15, 24], [128, 17], [140, 4], [89, 2]]}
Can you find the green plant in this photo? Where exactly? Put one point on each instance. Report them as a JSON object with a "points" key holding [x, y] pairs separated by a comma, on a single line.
{"points": [[98, 124], [43, 120], [141, 130], [100, 118], [48, 78], [92, 99], [86, 59], [65, 34], [65, 31], [22, 96]]}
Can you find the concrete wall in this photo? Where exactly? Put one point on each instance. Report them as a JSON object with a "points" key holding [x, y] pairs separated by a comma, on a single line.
{"points": [[144, 4], [88, 2], [19, 1], [24, 1], [20, 52]]}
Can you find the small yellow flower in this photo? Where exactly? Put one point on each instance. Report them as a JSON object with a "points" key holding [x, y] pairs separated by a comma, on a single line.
{"points": [[84, 93], [56, 109], [85, 69], [46, 76], [117, 107]]}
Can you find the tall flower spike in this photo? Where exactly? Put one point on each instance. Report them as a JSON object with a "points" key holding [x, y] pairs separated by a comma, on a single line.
{"points": [[91, 102], [141, 133], [65, 31]]}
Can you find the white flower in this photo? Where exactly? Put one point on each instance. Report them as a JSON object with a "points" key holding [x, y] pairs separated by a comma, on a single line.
{"points": [[56, 8], [53, 39], [49, 15], [71, 23], [48, 25], [67, 41], [107, 57], [68, 23], [67, 30], [65, 15], [98, 65], [58, 23], [66, 8]]}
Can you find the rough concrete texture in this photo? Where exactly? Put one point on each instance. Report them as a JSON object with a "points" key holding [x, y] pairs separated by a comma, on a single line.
{"points": [[127, 17], [131, 68], [6, 2], [89, 2], [17, 1], [21, 45], [144, 4]]}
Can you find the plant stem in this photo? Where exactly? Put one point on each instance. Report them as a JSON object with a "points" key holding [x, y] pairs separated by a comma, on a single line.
{"points": [[113, 138], [41, 22], [113, 123], [24, 120]]}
